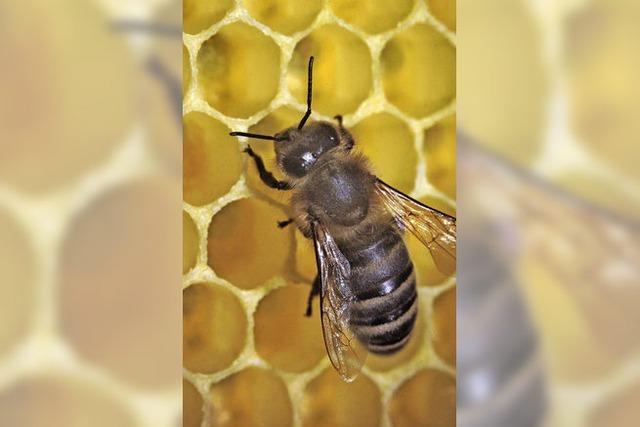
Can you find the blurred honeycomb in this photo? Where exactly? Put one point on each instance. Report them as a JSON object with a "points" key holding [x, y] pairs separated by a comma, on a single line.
{"points": [[551, 87], [89, 318], [250, 356]]}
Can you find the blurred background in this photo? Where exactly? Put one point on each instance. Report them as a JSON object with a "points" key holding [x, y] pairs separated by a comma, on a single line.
{"points": [[548, 190], [90, 218]]}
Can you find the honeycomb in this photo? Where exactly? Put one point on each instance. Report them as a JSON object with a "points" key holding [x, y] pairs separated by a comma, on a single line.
{"points": [[250, 356]]}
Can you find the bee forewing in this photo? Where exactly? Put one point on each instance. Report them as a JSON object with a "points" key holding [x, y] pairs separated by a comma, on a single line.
{"points": [[436, 230], [346, 352]]}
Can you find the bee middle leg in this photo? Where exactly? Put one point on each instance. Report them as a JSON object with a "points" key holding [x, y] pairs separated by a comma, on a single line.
{"points": [[315, 291], [266, 176]]}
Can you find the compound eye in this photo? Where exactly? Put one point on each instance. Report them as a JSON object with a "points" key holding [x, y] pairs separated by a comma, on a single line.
{"points": [[283, 136], [327, 134]]}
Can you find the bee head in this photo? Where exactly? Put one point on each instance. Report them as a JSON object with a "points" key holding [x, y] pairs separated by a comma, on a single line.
{"points": [[298, 150]]}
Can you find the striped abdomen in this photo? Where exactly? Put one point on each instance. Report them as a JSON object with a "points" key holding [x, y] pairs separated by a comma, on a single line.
{"points": [[383, 281]]}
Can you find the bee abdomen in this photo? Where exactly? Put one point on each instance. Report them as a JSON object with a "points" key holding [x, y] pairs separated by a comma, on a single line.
{"points": [[383, 281], [385, 323]]}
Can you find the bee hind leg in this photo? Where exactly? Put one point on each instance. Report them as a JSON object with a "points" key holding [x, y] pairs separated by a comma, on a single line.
{"points": [[315, 291]]}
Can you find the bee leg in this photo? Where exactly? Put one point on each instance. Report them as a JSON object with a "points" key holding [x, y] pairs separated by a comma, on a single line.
{"points": [[283, 224], [266, 176], [315, 291]]}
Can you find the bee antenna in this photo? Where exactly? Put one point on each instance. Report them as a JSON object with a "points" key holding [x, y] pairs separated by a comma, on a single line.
{"points": [[309, 93], [254, 135]]}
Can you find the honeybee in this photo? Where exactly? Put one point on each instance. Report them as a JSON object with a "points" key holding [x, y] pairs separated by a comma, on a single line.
{"points": [[366, 280]]}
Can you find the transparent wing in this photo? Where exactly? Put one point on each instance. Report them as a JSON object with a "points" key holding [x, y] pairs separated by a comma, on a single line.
{"points": [[436, 230], [346, 352]]}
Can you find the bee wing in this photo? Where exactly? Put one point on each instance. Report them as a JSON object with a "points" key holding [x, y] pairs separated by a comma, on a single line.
{"points": [[346, 352], [435, 229]]}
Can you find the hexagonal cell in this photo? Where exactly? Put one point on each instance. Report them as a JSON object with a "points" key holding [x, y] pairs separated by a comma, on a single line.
{"points": [[599, 37], [18, 270], [419, 71], [192, 410], [198, 15], [253, 397], [212, 159], [305, 257], [190, 243], [246, 247], [388, 142], [444, 11], [427, 274], [502, 74], [286, 338], [427, 399], [60, 402], [284, 16], [417, 341], [214, 328], [118, 271], [372, 16], [69, 122], [227, 65], [444, 326], [341, 74], [329, 401], [440, 154], [280, 119]]}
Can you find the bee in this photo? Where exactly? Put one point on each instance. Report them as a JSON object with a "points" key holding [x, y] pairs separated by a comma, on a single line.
{"points": [[366, 280]]}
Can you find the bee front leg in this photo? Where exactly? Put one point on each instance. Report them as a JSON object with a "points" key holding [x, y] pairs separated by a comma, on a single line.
{"points": [[315, 291], [266, 176]]}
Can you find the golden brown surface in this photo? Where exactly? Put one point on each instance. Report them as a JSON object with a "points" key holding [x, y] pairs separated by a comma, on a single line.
{"points": [[211, 159], [285, 338], [329, 401], [427, 399], [368, 59], [106, 259], [59, 402], [190, 241], [253, 397], [191, 405], [214, 328]]}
